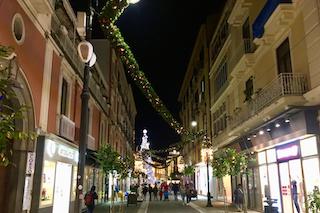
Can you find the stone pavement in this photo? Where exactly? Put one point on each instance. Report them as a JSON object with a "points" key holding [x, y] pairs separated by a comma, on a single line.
{"points": [[171, 206], [218, 206]]}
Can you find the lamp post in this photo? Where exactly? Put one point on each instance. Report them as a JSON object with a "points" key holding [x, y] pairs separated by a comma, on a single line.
{"points": [[208, 194], [85, 51]]}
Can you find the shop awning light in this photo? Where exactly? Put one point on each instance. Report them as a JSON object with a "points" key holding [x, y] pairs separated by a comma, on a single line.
{"points": [[261, 132], [248, 138], [277, 125], [268, 130], [254, 135], [287, 120]]}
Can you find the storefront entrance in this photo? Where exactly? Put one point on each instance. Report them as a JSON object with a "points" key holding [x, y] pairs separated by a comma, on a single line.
{"points": [[288, 173], [62, 188], [291, 185]]}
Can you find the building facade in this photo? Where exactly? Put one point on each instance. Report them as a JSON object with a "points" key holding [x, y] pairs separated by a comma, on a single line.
{"points": [[264, 96], [49, 71], [194, 97]]}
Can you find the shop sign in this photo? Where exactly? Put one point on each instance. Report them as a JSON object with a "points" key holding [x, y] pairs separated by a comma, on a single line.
{"points": [[30, 163], [288, 152], [57, 149]]}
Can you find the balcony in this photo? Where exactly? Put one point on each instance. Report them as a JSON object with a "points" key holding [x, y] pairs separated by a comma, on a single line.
{"points": [[287, 89], [91, 143], [267, 11], [239, 12], [67, 128], [242, 58]]}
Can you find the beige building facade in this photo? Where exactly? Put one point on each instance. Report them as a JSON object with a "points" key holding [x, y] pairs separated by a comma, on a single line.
{"points": [[264, 96]]}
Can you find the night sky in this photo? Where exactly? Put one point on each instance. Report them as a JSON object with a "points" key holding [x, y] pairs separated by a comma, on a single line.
{"points": [[161, 35]]}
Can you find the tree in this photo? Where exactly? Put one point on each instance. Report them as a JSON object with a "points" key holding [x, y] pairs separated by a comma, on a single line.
{"points": [[229, 162], [108, 159], [314, 200], [189, 170], [9, 113]]}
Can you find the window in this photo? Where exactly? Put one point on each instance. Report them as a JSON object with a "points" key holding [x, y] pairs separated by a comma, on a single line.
{"points": [[246, 30], [220, 119], [283, 57], [221, 77], [18, 28], [64, 97], [249, 89]]}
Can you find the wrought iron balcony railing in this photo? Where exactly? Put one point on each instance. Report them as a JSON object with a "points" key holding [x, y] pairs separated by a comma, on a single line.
{"points": [[286, 84]]}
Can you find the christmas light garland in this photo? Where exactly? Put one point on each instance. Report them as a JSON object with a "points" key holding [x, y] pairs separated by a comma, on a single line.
{"points": [[109, 14]]}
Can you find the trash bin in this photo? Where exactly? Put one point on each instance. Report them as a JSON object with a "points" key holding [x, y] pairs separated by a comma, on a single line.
{"points": [[132, 199]]}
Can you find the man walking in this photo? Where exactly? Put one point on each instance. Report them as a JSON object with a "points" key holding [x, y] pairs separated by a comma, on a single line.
{"points": [[89, 199]]}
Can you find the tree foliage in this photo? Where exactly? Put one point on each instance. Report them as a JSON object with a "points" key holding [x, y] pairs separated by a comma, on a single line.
{"points": [[314, 200], [229, 162], [110, 160], [189, 170]]}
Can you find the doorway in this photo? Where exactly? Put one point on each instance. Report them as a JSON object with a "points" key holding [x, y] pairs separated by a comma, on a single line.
{"points": [[291, 186], [62, 188]]}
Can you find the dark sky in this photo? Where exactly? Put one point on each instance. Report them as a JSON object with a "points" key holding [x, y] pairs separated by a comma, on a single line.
{"points": [[161, 35]]}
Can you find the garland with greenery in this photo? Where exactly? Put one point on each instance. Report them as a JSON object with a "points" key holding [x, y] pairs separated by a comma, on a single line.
{"points": [[9, 113], [109, 14]]}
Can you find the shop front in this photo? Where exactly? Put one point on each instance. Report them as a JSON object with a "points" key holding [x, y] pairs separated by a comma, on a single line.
{"points": [[202, 179], [55, 177], [288, 173]]}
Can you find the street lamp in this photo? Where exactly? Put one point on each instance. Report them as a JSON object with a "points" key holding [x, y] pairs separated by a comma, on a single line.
{"points": [[85, 51], [208, 194], [194, 123]]}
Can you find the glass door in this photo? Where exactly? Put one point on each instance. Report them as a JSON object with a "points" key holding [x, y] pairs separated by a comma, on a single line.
{"points": [[62, 188], [285, 187], [297, 189]]}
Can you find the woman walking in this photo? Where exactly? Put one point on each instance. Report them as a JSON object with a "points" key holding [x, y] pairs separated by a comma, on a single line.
{"points": [[238, 197]]}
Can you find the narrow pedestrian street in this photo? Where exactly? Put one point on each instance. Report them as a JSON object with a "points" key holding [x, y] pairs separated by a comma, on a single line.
{"points": [[154, 206]]}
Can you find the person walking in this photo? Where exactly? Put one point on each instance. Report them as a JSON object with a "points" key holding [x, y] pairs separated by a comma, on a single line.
{"points": [[144, 191], [188, 193], [150, 189], [238, 197], [183, 193], [89, 199], [175, 189], [294, 191], [155, 192]]}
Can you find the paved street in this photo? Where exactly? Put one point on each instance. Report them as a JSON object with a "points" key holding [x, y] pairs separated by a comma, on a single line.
{"points": [[157, 206], [170, 206]]}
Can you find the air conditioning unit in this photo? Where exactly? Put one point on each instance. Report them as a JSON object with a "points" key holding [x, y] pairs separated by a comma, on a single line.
{"points": [[67, 128], [91, 143]]}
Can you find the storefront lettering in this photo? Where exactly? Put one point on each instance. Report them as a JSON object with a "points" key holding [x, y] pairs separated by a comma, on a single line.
{"points": [[55, 149], [288, 153], [65, 152]]}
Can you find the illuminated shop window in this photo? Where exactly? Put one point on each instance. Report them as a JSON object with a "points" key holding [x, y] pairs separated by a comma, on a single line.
{"points": [[262, 157], [309, 146], [47, 183], [271, 156]]}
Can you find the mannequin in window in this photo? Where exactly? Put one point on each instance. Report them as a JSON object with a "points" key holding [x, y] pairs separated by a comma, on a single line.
{"points": [[294, 191]]}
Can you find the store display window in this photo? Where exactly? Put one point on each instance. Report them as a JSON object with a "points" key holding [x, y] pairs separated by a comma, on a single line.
{"points": [[74, 183], [47, 183], [309, 147]]}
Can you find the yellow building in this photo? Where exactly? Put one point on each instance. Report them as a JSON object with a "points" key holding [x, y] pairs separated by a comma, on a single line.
{"points": [[264, 96]]}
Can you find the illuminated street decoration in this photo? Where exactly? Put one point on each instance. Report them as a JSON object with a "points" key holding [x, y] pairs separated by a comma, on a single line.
{"points": [[145, 145]]}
